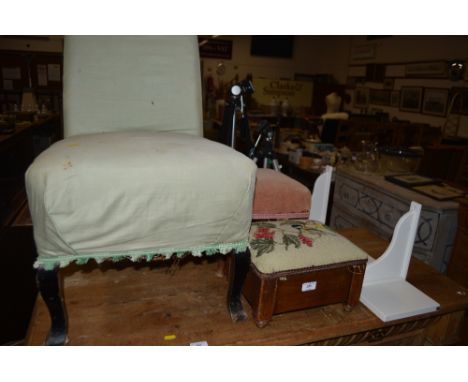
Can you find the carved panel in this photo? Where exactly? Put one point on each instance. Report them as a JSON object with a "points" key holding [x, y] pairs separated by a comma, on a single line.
{"points": [[356, 204]]}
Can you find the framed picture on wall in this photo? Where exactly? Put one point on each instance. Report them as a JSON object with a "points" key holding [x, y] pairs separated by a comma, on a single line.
{"points": [[435, 101], [411, 98], [460, 100], [388, 83], [361, 97], [395, 98], [379, 97]]}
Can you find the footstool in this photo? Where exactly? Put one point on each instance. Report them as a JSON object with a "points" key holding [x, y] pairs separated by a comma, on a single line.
{"points": [[300, 264], [278, 196]]}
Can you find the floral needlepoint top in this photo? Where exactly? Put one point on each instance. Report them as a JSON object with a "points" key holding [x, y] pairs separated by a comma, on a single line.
{"points": [[265, 235]]}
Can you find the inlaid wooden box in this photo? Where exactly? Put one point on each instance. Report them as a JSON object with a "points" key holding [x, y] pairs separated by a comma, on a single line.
{"points": [[286, 291]]}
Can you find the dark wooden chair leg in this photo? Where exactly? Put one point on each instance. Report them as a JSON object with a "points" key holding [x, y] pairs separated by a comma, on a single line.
{"points": [[49, 287], [238, 269]]}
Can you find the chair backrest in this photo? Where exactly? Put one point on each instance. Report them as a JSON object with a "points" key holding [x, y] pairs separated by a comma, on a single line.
{"points": [[320, 196], [120, 83]]}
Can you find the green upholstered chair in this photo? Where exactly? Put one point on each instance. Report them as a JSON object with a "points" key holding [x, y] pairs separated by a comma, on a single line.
{"points": [[133, 178]]}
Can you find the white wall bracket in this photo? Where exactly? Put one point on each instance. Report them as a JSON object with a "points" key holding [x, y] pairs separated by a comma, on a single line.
{"points": [[385, 290]]}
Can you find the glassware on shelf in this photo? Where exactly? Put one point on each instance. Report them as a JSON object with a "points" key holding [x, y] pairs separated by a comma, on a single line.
{"points": [[367, 160]]}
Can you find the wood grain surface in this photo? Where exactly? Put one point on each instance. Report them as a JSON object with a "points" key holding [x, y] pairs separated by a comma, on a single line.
{"points": [[143, 304]]}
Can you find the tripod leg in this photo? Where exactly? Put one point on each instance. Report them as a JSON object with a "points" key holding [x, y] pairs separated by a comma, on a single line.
{"points": [[276, 165]]}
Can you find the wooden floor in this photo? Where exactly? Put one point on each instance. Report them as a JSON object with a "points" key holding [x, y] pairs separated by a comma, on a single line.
{"points": [[128, 304]]}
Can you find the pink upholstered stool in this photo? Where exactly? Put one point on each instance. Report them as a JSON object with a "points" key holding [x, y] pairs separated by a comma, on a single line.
{"points": [[278, 196]]}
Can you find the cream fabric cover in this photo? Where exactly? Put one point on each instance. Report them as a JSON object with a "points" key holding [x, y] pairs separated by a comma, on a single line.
{"points": [[138, 194], [295, 244], [115, 83]]}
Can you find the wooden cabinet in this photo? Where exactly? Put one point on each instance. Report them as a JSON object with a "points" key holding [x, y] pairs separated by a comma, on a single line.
{"points": [[458, 266]]}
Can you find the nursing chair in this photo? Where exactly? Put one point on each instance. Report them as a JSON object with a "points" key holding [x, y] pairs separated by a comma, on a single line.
{"points": [[133, 178]]}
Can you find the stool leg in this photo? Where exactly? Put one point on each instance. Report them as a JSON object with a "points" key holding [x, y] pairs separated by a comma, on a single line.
{"points": [[238, 269], [49, 287], [356, 286]]}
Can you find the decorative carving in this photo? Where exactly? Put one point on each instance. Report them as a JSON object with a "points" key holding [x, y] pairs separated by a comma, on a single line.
{"points": [[357, 204], [372, 337]]}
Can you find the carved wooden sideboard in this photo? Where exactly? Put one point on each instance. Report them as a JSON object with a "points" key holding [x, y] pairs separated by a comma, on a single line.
{"points": [[369, 201]]}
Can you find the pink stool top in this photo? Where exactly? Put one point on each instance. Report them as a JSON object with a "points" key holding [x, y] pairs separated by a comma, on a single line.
{"points": [[278, 196]]}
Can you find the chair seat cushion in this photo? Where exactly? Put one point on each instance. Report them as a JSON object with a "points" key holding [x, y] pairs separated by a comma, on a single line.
{"points": [[279, 246], [138, 194], [278, 196]]}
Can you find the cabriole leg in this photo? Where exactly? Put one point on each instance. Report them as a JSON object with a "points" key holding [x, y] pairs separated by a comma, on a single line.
{"points": [[238, 269], [49, 287]]}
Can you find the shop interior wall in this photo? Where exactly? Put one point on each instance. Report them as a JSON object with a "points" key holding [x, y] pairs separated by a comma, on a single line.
{"points": [[407, 49], [311, 55]]}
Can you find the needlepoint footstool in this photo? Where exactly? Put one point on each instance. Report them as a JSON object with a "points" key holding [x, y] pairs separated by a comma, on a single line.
{"points": [[300, 264]]}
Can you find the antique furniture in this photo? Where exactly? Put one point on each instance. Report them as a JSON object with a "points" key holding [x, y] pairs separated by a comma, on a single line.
{"points": [[17, 277], [298, 264], [369, 201], [446, 161], [458, 265], [133, 179], [278, 196], [98, 295]]}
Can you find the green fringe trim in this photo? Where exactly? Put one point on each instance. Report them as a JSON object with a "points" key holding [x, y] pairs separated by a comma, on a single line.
{"points": [[49, 263]]}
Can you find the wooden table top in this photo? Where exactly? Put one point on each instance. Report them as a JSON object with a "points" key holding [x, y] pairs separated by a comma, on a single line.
{"points": [[141, 304]]}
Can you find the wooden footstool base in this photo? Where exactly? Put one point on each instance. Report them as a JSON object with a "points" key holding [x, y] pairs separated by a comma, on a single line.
{"points": [[281, 292], [301, 264]]}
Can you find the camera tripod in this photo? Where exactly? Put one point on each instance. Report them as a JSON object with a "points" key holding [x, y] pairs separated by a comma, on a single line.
{"points": [[263, 148]]}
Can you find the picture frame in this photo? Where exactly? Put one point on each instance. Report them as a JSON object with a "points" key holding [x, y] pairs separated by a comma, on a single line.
{"points": [[388, 83], [215, 48], [361, 97], [411, 98], [395, 98], [411, 180], [460, 103], [435, 101], [439, 191], [379, 97]]}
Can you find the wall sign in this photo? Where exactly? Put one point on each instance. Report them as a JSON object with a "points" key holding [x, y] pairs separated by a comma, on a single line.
{"points": [[214, 48], [298, 93], [427, 70]]}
